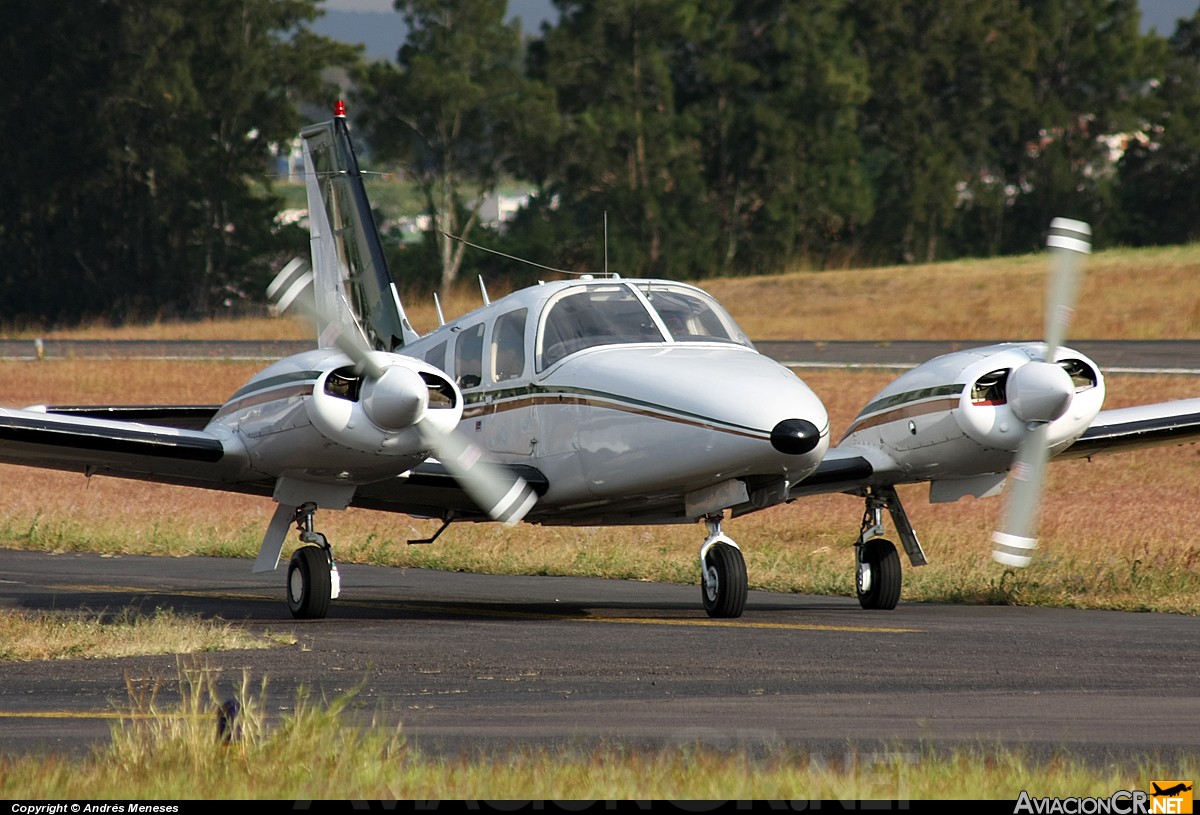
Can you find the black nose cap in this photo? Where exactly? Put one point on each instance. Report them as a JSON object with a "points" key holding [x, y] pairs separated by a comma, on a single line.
{"points": [[795, 436]]}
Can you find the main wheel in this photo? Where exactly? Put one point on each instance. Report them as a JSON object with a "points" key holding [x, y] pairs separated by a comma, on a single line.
{"points": [[309, 584], [723, 584], [878, 578]]}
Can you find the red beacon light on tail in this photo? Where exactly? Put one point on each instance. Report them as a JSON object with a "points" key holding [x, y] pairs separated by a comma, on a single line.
{"points": [[339, 109]]}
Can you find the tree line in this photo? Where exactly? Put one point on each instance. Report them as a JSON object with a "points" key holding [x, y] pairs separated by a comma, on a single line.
{"points": [[673, 138]]}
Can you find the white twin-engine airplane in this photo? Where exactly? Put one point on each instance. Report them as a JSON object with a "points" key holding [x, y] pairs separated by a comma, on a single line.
{"points": [[591, 402]]}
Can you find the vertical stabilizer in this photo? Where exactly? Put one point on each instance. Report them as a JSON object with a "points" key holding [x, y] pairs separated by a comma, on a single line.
{"points": [[352, 286]]}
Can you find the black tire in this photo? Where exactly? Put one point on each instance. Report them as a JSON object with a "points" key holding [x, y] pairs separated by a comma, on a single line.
{"points": [[726, 568], [881, 565], [309, 585]]}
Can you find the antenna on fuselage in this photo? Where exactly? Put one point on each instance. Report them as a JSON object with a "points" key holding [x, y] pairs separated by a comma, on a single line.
{"points": [[483, 290], [438, 305], [606, 243]]}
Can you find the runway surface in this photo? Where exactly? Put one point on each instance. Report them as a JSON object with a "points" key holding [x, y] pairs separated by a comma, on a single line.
{"points": [[1113, 356], [474, 662]]}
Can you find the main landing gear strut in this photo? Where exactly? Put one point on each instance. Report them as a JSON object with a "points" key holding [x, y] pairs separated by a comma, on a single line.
{"points": [[723, 582], [313, 578], [878, 576]]}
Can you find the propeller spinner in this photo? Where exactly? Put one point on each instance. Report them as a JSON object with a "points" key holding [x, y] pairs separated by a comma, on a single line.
{"points": [[1041, 392]]}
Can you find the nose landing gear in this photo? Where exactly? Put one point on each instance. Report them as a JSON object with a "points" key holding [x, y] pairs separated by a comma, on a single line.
{"points": [[313, 579], [723, 580]]}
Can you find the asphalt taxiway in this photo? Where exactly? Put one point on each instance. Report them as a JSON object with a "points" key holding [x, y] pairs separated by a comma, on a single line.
{"points": [[466, 662]]}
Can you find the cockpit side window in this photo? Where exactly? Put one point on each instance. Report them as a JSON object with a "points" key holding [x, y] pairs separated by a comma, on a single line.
{"points": [[692, 317], [508, 345], [468, 357], [596, 315]]}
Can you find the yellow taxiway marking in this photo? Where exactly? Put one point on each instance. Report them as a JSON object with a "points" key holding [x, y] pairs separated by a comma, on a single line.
{"points": [[741, 623], [468, 611]]}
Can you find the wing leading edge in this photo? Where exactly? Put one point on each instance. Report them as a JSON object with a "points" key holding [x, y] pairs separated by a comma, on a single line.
{"points": [[1131, 428], [79, 441]]}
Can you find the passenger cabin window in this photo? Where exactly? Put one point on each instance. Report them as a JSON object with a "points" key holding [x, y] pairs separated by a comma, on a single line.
{"points": [[691, 316], [508, 346], [603, 314], [468, 357], [436, 356]]}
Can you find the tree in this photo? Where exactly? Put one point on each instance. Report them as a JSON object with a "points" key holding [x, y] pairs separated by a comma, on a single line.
{"points": [[1159, 173], [145, 188], [949, 89], [456, 111], [775, 89], [1087, 87], [624, 156]]}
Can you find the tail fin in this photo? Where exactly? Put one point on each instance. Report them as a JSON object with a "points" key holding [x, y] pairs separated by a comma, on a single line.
{"points": [[351, 280]]}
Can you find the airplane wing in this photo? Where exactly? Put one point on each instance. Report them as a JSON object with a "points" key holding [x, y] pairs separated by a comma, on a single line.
{"points": [[841, 470], [87, 440], [163, 444], [1130, 428]]}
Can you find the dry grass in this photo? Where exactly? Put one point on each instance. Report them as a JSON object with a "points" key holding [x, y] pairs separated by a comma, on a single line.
{"points": [[1116, 531], [1126, 294], [26, 636]]}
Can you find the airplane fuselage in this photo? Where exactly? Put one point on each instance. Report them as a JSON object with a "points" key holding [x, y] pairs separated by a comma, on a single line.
{"points": [[602, 388]]}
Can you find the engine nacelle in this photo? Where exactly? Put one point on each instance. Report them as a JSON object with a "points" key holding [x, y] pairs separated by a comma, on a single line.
{"points": [[965, 413], [316, 417]]}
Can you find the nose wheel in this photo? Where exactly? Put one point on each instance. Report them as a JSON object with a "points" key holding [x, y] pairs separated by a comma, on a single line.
{"points": [[312, 579], [723, 580]]}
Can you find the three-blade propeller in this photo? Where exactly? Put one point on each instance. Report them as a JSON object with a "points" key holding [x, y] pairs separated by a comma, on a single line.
{"points": [[1040, 392]]}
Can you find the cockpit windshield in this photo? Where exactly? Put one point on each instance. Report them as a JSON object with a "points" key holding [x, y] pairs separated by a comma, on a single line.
{"points": [[615, 314], [690, 315], [606, 314]]}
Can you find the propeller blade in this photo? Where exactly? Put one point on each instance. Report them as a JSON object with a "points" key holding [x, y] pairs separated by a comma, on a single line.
{"points": [[1069, 241], [356, 348], [498, 491], [1048, 397], [1015, 540]]}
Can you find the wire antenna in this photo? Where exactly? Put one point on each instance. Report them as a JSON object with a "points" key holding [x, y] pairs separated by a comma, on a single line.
{"points": [[510, 257]]}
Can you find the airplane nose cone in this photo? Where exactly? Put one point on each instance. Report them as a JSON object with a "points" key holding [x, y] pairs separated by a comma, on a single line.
{"points": [[795, 436]]}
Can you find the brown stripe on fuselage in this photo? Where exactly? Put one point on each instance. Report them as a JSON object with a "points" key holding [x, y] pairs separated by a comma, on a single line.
{"points": [[477, 411], [264, 396], [903, 412]]}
